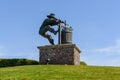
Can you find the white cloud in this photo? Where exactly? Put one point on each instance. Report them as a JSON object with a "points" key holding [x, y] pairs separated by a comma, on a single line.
{"points": [[1, 48], [115, 49], [2, 51], [106, 56], [5, 53], [27, 55]]}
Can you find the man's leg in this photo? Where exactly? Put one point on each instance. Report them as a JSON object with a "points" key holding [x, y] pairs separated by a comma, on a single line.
{"points": [[49, 37], [49, 28]]}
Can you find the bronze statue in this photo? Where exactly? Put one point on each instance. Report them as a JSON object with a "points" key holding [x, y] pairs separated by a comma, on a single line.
{"points": [[47, 24]]}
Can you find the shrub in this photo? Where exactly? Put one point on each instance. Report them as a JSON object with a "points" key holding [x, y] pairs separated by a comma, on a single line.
{"points": [[27, 62], [4, 62], [83, 63], [12, 62], [17, 62], [32, 62], [21, 62]]}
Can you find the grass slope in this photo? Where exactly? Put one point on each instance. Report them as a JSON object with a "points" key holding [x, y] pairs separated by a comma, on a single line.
{"points": [[59, 72]]}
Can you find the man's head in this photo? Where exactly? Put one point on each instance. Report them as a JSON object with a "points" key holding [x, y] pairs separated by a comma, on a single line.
{"points": [[52, 15]]}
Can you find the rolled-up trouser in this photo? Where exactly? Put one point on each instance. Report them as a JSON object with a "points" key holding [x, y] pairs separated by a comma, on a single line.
{"points": [[44, 33], [45, 29]]}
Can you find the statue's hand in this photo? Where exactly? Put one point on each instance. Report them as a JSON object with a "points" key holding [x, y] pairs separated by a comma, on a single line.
{"points": [[55, 32], [60, 21]]}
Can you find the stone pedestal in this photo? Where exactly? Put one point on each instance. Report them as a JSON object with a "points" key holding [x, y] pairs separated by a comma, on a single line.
{"points": [[60, 54]]}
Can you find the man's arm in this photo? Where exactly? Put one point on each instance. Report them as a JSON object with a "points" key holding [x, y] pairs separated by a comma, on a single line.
{"points": [[55, 21]]}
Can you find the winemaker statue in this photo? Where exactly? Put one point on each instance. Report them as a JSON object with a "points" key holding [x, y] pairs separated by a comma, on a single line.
{"points": [[47, 26]]}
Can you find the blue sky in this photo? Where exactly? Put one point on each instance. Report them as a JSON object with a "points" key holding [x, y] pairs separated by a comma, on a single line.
{"points": [[96, 25]]}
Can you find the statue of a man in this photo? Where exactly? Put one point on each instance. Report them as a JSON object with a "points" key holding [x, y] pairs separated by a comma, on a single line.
{"points": [[47, 26]]}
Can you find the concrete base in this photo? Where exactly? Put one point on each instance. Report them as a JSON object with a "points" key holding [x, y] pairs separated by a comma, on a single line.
{"points": [[60, 54]]}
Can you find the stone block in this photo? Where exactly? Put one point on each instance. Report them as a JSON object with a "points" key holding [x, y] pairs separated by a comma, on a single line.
{"points": [[60, 54]]}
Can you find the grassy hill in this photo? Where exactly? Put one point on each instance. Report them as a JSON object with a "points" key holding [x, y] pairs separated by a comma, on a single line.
{"points": [[59, 72]]}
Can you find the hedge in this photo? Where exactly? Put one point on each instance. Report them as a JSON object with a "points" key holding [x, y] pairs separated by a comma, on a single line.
{"points": [[83, 63], [17, 62]]}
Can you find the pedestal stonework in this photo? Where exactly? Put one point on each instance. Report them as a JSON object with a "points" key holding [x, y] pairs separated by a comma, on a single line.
{"points": [[60, 54]]}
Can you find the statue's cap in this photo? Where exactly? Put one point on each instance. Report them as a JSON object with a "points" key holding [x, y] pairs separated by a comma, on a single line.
{"points": [[51, 15]]}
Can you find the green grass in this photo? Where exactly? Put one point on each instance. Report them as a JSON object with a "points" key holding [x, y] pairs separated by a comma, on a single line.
{"points": [[59, 72]]}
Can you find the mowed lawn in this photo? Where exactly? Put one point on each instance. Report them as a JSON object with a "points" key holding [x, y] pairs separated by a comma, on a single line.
{"points": [[60, 72]]}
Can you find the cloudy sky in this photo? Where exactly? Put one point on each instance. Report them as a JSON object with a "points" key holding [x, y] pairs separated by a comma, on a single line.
{"points": [[96, 25]]}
